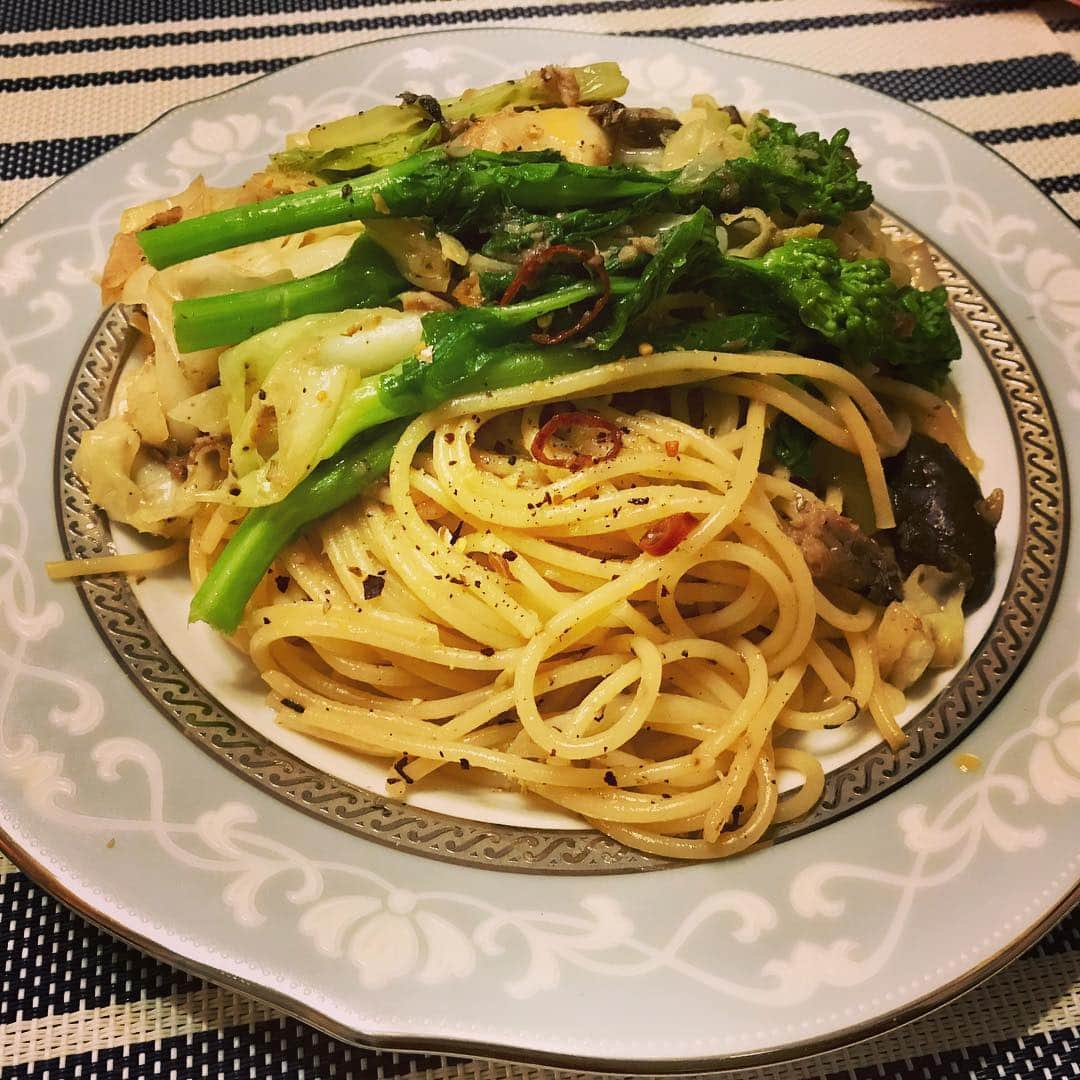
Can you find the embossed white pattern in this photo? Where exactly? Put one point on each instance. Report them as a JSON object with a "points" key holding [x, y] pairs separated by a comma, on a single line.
{"points": [[80, 706], [945, 840], [392, 931], [388, 932]]}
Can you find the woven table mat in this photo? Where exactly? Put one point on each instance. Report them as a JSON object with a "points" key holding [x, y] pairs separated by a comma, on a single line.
{"points": [[77, 77]]}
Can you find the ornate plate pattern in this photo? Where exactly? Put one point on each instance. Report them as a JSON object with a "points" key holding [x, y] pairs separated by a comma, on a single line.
{"points": [[177, 693], [800, 946]]}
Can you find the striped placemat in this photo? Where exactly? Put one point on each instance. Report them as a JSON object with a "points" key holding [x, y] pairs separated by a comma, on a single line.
{"points": [[76, 1003], [77, 77]]}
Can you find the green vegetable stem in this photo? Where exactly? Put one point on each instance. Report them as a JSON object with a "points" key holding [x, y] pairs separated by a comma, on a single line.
{"points": [[366, 277], [251, 550], [545, 196], [470, 349], [796, 173], [852, 309], [433, 183]]}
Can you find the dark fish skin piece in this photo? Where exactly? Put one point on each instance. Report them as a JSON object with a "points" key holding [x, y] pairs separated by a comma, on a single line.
{"points": [[936, 501]]}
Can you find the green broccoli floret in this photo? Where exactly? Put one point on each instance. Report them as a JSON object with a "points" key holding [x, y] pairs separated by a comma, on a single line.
{"points": [[853, 306], [796, 173], [926, 342], [793, 172]]}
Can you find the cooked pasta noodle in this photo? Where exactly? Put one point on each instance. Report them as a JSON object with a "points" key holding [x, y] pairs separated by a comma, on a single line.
{"points": [[636, 574], [485, 613], [138, 562]]}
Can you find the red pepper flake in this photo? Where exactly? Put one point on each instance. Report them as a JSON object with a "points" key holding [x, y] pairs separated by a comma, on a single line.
{"points": [[608, 440], [671, 448], [668, 534], [535, 261]]}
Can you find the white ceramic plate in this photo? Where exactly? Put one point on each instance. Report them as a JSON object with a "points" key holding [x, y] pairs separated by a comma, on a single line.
{"points": [[915, 879]]}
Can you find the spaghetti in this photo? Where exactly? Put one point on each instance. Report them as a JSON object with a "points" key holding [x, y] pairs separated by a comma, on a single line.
{"points": [[493, 614], [555, 444]]}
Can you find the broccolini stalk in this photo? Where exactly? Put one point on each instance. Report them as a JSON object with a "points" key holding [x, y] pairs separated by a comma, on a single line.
{"points": [[679, 248], [366, 277], [730, 333], [469, 349], [797, 173], [250, 551], [847, 310], [432, 183], [408, 183], [513, 230], [787, 171]]}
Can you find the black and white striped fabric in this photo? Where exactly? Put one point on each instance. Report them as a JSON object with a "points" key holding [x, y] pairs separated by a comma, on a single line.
{"points": [[77, 78], [75, 1003]]}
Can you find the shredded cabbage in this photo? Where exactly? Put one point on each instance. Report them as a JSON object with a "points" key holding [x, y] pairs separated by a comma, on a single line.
{"points": [[708, 137], [137, 486], [282, 388]]}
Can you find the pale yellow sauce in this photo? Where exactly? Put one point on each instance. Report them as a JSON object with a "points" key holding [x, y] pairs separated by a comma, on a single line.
{"points": [[968, 763]]}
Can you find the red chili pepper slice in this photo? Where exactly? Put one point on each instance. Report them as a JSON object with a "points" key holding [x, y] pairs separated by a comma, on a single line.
{"points": [[609, 440], [668, 534], [535, 261]]}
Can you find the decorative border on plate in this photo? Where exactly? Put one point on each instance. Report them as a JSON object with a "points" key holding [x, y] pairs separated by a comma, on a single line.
{"points": [[124, 627]]}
